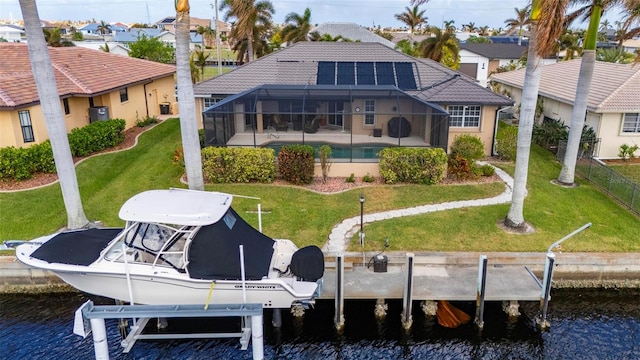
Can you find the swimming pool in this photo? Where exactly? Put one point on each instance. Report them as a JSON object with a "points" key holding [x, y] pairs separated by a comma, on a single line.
{"points": [[339, 151]]}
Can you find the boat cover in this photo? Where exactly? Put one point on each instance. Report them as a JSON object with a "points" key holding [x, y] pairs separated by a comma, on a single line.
{"points": [[80, 247], [308, 263], [214, 253]]}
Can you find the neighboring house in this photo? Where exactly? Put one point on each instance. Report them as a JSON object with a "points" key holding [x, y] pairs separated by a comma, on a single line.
{"points": [[168, 37], [613, 107], [353, 32], [93, 29], [93, 85], [481, 60], [169, 24], [11, 33], [349, 93], [114, 47], [631, 45]]}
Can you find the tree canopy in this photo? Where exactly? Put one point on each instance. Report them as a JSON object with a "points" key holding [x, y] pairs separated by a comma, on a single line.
{"points": [[151, 48]]}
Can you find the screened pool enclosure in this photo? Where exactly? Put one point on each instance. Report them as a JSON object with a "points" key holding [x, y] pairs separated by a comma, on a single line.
{"points": [[348, 115]]}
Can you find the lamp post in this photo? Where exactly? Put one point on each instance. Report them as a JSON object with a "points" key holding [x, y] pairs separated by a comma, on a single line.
{"points": [[361, 220], [215, 6]]}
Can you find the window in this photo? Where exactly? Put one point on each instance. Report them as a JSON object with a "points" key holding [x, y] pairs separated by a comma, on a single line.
{"points": [[210, 101], [65, 103], [631, 123], [464, 116], [25, 124], [369, 112], [124, 95]]}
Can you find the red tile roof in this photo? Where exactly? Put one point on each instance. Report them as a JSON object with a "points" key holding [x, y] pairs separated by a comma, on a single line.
{"points": [[78, 72]]}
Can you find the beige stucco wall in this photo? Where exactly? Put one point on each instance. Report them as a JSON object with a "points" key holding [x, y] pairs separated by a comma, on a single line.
{"points": [[485, 131], [608, 126], [158, 91]]}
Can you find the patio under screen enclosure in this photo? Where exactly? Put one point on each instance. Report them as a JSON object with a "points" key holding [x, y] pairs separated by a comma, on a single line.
{"points": [[348, 116]]}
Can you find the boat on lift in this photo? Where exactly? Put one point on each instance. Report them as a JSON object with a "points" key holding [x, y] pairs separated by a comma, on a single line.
{"points": [[181, 247]]}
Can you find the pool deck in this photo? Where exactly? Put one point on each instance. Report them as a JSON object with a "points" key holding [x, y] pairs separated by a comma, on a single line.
{"points": [[330, 135]]}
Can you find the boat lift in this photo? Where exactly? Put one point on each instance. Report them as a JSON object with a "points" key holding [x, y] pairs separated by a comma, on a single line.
{"points": [[251, 328]]}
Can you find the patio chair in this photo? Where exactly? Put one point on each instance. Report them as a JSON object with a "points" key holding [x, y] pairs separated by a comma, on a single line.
{"points": [[312, 126], [279, 124]]}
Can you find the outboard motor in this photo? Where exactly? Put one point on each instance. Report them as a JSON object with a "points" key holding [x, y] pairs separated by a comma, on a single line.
{"points": [[308, 263]]}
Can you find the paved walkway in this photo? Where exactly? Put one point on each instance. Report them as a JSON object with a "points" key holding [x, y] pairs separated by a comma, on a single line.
{"points": [[342, 233]]}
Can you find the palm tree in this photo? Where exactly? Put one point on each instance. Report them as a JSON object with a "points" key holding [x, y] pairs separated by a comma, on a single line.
{"points": [[483, 30], [208, 34], [260, 45], [522, 18], [592, 11], [413, 18], [408, 47], [315, 36], [54, 38], [630, 24], [249, 15], [448, 26], [613, 55], [470, 27], [570, 43], [200, 58], [105, 48], [542, 41], [188, 119], [436, 47], [297, 27], [104, 27], [52, 112]]}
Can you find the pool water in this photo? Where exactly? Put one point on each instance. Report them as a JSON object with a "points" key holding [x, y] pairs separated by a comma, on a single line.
{"points": [[339, 151]]}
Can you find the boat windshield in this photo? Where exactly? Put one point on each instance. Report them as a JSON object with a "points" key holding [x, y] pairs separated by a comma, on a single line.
{"points": [[157, 244]]}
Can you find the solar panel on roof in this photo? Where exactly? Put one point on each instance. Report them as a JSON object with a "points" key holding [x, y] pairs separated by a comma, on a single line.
{"points": [[384, 70], [366, 75], [326, 73], [404, 73], [346, 73]]}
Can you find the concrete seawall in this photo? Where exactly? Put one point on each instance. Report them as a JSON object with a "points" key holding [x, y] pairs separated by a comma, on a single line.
{"points": [[578, 270]]}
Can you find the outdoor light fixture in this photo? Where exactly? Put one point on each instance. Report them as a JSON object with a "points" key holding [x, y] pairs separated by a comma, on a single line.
{"points": [[358, 110], [361, 219]]}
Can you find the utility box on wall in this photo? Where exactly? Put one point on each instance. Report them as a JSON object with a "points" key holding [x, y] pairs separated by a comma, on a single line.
{"points": [[98, 113], [165, 108]]}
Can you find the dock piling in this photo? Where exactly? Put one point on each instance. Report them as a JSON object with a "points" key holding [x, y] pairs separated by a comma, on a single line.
{"points": [[338, 319], [100, 344], [546, 290], [407, 297], [482, 283]]}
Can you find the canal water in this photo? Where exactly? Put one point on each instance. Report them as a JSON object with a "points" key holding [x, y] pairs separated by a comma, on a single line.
{"points": [[585, 324]]}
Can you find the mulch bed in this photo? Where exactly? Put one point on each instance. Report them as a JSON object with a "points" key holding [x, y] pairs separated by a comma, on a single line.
{"points": [[332, 184]]}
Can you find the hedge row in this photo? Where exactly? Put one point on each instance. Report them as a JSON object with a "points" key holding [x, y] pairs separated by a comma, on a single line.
{"points": [[413, 165], [296, 163], [96, 137], [240, 165], [22, 163]]}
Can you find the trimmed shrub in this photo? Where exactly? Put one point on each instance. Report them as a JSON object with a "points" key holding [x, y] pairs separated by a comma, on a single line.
{"points": [[506, 142], [96, 137], [368, 178], [22, 163], [460, 168], [412, 165], [295, 163], [238, 165], [487, 170], [351, 178], [148, 120], [469, 147]]}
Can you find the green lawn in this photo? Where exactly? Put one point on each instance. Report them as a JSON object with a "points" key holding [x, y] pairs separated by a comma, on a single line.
{"points": [[630, 171], [307, 218]]}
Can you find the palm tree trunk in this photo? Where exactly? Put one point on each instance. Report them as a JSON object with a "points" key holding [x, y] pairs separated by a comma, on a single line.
{"points": [[250, 46], [188, 120], [515, 217], [587, 64], [52, 112]]}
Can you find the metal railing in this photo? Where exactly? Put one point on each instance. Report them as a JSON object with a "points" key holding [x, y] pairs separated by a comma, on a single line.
{"points": [[624, 190], [589, 148]]}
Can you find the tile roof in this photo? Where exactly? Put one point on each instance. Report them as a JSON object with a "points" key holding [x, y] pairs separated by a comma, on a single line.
{"points": [[78, 71], [614, 87], [495, 51], [298, 65], [133, 34], [353, 32]]}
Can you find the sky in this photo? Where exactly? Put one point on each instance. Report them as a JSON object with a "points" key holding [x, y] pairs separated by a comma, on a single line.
{"points": [[492, 13]]}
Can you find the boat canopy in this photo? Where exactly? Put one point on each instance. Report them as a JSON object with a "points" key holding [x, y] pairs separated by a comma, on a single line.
{"points": [[176, 206], [214, 253]]}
